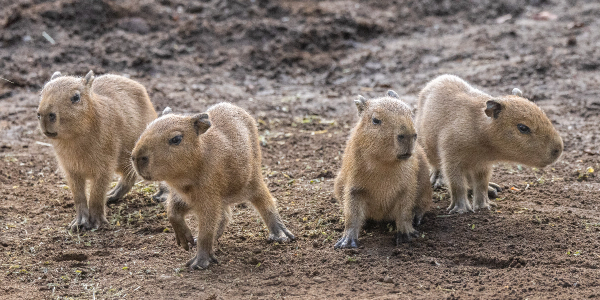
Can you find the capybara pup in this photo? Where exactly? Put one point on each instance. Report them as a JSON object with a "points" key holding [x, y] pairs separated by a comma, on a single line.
{"points": [[93, 124], [210, 161], [464, 131], [381, 171]]}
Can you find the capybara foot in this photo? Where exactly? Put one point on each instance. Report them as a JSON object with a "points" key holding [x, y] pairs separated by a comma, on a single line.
{"points": [[460, 208], [281, 235], [487, 205], [493, 190], [162, 194], [402, 237], [183, 235], [117, 193], [417, 220], [201, 262], [84, 223], [346, 242]]}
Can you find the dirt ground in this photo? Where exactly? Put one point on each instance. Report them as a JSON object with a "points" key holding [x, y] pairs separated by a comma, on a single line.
{"points": [[296, 66]]}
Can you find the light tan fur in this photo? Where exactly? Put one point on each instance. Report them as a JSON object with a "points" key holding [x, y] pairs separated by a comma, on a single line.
{"points": [[211, 161], [93, 124], [464, 131], [381, 169]]}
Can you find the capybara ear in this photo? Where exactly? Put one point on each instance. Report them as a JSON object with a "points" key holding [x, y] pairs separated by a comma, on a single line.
{"points": [[517, 92], [55, 75], [201, 123], [167, 111], [89, 78], [493, 109], [393, 94], [361, 103]]}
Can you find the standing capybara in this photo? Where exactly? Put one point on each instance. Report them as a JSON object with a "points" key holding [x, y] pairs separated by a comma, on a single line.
{"points": [[384, 174], [210, 161], [464, 131], [93, 124]]}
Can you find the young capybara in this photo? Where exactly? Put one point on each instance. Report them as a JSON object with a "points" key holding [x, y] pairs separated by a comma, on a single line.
{"points": [[210, 161], [384, 174], [464, 131], [93, 124]]}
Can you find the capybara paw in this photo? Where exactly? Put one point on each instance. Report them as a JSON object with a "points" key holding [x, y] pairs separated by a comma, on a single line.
{"points": [[346, 242], [201, 262], [482, 206], [88, 223], [402, 237], [184, 238], [162, 194], [282, 235], [460, 209], [417, 220]]}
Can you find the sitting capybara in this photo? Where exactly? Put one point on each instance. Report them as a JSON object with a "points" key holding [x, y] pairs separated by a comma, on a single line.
{"points": [[464, 131], [210, 161], [384, 174]]}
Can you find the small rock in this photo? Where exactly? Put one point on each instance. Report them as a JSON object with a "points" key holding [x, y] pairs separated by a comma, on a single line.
{"points": [[137, 25], [318, 279], [388, 279]]}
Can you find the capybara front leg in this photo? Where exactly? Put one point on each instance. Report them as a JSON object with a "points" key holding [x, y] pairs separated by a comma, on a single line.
{"points": [[177, 209], [354, 213]]}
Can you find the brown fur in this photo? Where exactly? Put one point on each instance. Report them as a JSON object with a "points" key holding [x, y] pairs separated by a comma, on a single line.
{"points": [[93, 137], [216, 163], [381, 170], [464, 131]]}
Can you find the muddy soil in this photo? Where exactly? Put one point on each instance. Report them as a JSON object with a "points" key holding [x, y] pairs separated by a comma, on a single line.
{"points": [[296, 66]]}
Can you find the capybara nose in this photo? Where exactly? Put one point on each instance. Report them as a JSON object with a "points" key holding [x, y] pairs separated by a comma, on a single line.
{"points": [[142, 161], [52, 117]]}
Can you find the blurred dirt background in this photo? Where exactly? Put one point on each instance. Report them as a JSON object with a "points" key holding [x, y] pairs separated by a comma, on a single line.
{"points": [[296, 66]]}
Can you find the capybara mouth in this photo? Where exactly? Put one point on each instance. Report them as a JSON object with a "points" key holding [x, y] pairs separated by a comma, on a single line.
{"points": [[404, 156], [50, 134]]}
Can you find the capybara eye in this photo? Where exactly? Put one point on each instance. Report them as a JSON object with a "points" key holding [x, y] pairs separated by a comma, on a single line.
{"points": [[376, 121], [401, 137], [523, 128], [176, 140], [39, 116], [75, 98]]}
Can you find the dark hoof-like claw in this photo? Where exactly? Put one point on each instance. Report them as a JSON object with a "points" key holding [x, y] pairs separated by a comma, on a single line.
{"points": [[281, 235], [80, 224], [162, 194], [346, 242], [405, 237], [417, 220], [493, 190], [201, 262]]}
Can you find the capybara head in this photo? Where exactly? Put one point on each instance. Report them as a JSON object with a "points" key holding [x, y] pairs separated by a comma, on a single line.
{"points": [[64, 106], [386, 130], [521, 131], [168, 148]]}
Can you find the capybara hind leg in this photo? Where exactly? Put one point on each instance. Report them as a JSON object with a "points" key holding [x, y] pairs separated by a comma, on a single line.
{"points": [[177, 209], [121, 189], [97, 201], [436, 179], [162, 194], [77, 185], [225, 218], [265, 205], [354, 213]]}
